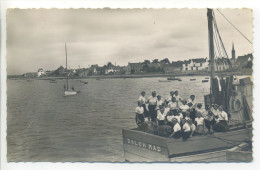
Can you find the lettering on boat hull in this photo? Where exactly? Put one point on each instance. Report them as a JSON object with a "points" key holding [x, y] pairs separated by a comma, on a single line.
{"points": [[144, 145]]}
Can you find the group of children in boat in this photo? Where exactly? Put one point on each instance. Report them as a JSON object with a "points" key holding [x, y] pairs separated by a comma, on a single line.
{"points": [[180, 117]]}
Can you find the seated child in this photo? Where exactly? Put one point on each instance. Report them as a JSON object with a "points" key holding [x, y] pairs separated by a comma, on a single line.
{"points": [[192, 127], [169, 117], [201, 110], [186, 130], [177, 115], [209, 120], [176, 129], [199, 121], [221, 122], [139, 114]]}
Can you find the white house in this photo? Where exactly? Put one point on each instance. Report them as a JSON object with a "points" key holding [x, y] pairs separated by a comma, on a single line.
{"points": [[40, 72], [195, 64]]}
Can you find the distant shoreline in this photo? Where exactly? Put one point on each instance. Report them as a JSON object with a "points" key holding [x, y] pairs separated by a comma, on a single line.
{"points": [[129, 76]]}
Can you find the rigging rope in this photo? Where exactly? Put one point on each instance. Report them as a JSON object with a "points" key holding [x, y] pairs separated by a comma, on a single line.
{"points": [[235, 27], [224, 50]]}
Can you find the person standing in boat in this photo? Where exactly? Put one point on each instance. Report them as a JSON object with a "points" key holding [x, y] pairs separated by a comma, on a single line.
{"points": [[173, 104], [143, 101], [161, 115], [159, 102], [199, 122], [139, 114], [221, 122], [192, 104], [152, 101], [184, 108], [169, 98], [178, 97]]}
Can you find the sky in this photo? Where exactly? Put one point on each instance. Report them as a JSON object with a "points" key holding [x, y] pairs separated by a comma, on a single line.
{"points": [[36, 37]]}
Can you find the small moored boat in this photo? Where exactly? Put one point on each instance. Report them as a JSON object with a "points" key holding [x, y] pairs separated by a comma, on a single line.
{"points": [[83, 82], [67, 91], [204, 81], [174, 79], [53, 81], [164, 80], [192, 79]]}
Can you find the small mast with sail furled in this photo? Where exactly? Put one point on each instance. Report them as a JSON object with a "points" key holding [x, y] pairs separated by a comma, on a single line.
{"points": [[67, 91]]}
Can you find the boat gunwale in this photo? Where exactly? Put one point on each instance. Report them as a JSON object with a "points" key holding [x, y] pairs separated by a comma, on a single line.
{"points": [[194, 138]]}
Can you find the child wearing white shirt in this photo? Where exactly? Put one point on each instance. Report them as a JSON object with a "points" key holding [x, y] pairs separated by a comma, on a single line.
{"points": [[161, 116], [152, 100], [221, 125], [143, 101], [176, 129], [199, 120], [139, 114], [186, 129]]}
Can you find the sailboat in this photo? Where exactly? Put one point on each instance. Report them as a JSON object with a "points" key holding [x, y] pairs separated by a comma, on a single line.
{"points": [[67, 91], [145, 145]]}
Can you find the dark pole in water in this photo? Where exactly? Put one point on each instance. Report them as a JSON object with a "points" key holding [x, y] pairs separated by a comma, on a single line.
{"points": [[66, 67], [211, 49]]}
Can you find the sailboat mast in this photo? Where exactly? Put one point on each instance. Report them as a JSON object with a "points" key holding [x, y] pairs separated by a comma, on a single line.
{"points": [[67, 67], [211, 48]]}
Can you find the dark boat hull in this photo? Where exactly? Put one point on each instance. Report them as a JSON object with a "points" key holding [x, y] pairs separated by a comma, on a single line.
{"points": [[144, 147]]}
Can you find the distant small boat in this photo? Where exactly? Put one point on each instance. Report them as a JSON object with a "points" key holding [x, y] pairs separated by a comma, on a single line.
{"points": [[204, 81], [192, 79], [206, 77], [30, 80], [53, 81], [98, 78], [83, 82], [164, 80], [174, 78]]}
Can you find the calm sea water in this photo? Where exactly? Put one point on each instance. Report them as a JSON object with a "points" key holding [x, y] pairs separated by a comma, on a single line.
{"points": [[42, 125]]}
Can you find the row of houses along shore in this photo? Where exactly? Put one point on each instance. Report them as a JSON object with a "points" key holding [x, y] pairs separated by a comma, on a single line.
{"points": [[199, 65]]}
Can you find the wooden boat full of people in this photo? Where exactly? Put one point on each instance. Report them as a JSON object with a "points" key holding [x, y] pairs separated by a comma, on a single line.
{"points": [[145, 144]]}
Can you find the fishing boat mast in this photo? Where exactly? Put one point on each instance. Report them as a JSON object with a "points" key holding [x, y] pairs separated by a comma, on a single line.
{"points": [[211, 51], [66, 67]]}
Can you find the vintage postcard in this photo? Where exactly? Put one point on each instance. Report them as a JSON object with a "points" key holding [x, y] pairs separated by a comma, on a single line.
{"points": [[129, 85]]}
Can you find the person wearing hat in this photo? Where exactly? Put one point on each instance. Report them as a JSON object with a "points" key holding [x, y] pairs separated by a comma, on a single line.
{"points": [[143, 101], [176, 129], [152, 101]]}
